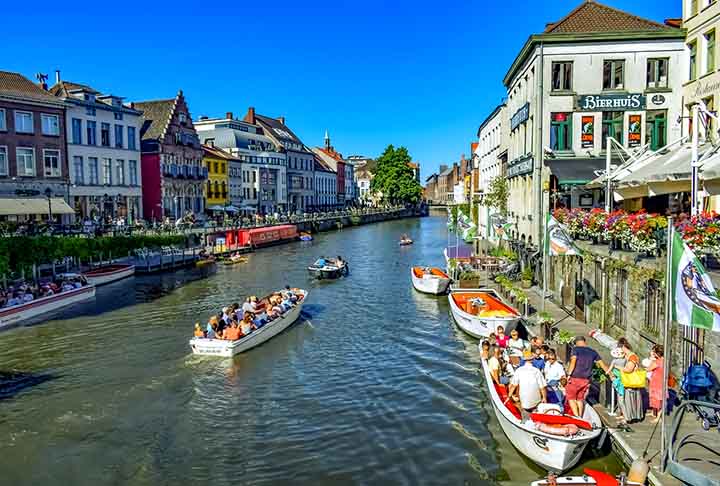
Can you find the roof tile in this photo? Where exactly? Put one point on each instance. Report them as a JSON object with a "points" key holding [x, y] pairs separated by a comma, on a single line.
{"points": [[591, 16], [17, 85]]}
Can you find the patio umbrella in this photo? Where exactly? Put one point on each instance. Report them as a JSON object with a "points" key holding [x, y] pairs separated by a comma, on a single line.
{"points": [[231, 209], [216, 208]]}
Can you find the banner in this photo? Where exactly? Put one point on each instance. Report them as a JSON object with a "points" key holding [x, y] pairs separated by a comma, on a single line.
{"points": [[557, 241], [634, 130], [588, 132], [694, 301]]}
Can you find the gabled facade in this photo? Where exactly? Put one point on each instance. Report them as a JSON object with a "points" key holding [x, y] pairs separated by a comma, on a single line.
{"points": [[103, 144], [172, 172], [491, 154], [325, 185], [217, 163]]}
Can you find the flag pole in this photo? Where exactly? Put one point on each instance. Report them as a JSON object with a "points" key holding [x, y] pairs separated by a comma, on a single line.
{"points": [[666, 340], [546, 247]]}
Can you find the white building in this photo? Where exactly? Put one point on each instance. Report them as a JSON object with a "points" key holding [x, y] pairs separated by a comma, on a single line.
{"points": [[258, 182], [103, 143], [490, 151], [597, 72], [325, 185]]}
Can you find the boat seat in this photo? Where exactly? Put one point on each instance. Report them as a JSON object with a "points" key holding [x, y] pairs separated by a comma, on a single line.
{"points": [[502, 392]]}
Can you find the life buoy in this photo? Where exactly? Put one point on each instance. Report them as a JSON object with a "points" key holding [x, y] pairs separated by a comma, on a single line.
{"points": [[565, 430]]}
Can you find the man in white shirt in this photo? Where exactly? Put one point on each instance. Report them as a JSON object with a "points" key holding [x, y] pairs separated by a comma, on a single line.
{"points": [[555, 377], [528, 386]]}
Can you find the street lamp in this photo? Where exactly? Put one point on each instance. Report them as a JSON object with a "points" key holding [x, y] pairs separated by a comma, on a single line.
{"points": [[48, 194]]}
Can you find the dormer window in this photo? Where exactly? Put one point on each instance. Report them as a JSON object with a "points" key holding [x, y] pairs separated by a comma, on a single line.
{"points": [[183, 118], [89, 97]]}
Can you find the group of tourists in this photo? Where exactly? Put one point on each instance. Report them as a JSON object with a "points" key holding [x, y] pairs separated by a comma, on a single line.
{"points": [[533, 374], [24, 292], [235, 321]]}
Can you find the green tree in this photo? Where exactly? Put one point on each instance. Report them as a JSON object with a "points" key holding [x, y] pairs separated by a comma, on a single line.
{"points": [[394, 178], [497, 195]]}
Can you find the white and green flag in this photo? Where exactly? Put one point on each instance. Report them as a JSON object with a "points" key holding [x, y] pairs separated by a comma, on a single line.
{"points": [[694, 301], [557, 241]]}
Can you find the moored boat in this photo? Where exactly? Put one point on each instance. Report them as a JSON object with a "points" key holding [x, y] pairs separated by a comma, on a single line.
{"points": [[205, 262], [224, 348], [553, 442], [430, 280], [109, 273], [591, 477], [478, 312], [17, 314], [405, 242], [235, 259]]}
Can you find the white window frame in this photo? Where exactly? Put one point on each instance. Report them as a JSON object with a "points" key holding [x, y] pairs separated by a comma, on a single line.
{"points": [[3, 120], [32, 121], [54, 173], [107, 170], [4, 150], [96, 180], [133, 180], [120, 171], [22, 173], [81, 179], [46, 116]]}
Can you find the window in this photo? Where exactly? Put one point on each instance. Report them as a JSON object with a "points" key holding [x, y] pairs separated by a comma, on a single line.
{"points": [[50, 124], [692, 48], [3, 123], [215, 168], [561, 131], [709, 123], [78, 170], [131, 139], [76, 131], [90, 111], [119, 130], [710, 52], [183, 118], [133, 173], [120, 172], [657, 73], [107, 172], [3, 161], [118, 116], [693, 7], [656, 129], [613, 74], [612, 126], [562, 76], [654, 303], [25, 161], [91, 132], [51, 162], [94, 176], [24, 122], [105, 134]]}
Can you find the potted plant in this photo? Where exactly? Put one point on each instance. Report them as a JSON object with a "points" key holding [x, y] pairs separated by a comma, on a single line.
{"points": [[563, 338], [545, 321], [526, 277]]}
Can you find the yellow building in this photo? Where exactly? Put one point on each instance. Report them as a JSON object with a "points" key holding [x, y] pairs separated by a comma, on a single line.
{"points": [[216, 188]]}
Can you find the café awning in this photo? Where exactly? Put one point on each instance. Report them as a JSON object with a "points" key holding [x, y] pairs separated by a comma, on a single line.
{"points": [[575, 171], [27, 206]]}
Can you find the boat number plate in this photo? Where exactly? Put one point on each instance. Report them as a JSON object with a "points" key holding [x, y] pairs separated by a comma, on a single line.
{"points": [[541, 443]]}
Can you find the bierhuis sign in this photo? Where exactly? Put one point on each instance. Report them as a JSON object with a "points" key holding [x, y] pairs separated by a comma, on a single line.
{"points": [[611, 102]]}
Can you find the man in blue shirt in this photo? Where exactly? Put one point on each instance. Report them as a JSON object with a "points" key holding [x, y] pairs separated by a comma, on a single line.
{"points": [[582, 361]]}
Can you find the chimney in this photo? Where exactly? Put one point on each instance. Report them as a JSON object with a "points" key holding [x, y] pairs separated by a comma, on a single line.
{"points": [[282, 119], [57, 76], [229, 115], [250, 117]]}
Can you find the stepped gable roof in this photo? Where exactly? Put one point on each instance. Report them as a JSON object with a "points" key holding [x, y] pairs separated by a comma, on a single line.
{"points": [[591, 16], [18, 86], [157, 115]]}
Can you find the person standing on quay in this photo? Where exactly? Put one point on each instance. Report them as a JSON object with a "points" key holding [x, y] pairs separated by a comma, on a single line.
{"points": [[582, 360], [656, 367]]}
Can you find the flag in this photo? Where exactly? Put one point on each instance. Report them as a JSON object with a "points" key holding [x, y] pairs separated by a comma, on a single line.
{"points": [[694, 301], [557, 241]]}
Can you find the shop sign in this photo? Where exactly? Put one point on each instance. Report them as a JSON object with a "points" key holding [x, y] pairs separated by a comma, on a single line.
{"points": [[657, 99], [703, 88], [520, 167], [520, 116], [587, 137], [611, 102], [634, 130]]}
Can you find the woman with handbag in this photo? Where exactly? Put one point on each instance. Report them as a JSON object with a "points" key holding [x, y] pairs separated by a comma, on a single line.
{"points": [[634, 381], [655, 389]]}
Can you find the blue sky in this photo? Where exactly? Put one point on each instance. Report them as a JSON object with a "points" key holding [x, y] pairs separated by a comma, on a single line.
{"points": [[420, 74]]}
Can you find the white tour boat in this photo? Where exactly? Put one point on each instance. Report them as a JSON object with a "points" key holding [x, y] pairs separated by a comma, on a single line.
{"points": [[221, 347], [479, 312], [591, 478], [430, 280], [553, 442], [109, 273], [17, 314]]}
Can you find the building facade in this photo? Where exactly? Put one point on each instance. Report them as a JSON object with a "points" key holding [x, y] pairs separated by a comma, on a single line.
{"points": [[325, 185], [172, 172], [490, 150], [103, 145], [33, 156], [345, 193], [258, 176], [597, 73], [217, 163]]}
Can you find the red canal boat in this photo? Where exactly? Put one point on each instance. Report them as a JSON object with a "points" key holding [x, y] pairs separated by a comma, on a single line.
{"points": [[258, 237]]}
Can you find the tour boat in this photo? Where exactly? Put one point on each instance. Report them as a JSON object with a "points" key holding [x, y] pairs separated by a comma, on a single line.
{"points": [[429, 280], [479, 312], [44, 305], [406, 242], [553, 442], [223, 348], [330, 270], [235, 259], [305, 237], [109, 273], [591, 477]]}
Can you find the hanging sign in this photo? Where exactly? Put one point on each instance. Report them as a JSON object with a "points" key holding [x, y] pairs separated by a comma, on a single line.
{"points": [[588, 132], [634, 130], [520, 116]]}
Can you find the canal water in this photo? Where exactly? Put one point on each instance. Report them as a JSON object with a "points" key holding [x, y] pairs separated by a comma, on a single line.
{"points": [[375, 385]]}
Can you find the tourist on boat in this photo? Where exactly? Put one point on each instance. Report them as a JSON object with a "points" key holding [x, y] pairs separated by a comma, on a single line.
{"points": [[210, 331], [485, 349], [198, 333], [582, 360], [232, 333], [656, 371], [500, 370], [247, 326], [26, 297], [528, 386], [501, 338], [516, 342], [631, 402], [321, 262], [13, 300], [538, 360], [292, 296], [555, 378], [536, 341], [249, 305]]}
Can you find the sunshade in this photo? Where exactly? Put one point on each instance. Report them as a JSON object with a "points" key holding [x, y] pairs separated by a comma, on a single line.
{"points": [[22, 206]]}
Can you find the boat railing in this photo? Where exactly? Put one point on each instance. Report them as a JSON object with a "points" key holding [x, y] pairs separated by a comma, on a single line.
{"points": [[692, 455]]}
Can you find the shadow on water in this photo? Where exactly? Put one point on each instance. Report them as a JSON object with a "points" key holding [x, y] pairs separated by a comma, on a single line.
{"points": [[14, 382]]}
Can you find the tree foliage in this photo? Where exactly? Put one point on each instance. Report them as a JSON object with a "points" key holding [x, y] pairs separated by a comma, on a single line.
{"points": [[496, 195], [394, 178]]}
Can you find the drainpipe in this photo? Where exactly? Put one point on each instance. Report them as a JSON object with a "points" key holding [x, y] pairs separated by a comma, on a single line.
{"points": [[539, 147]]}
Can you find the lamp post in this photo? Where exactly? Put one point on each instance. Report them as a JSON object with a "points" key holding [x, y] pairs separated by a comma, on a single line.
{"points": [[48, 194]]}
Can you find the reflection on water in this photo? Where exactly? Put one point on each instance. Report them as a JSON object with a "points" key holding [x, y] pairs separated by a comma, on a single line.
{"points": [[374, 385]]}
